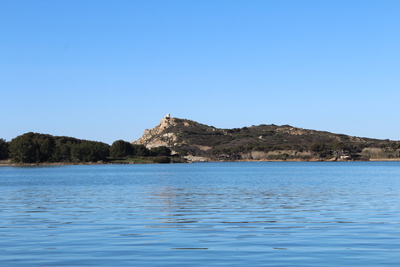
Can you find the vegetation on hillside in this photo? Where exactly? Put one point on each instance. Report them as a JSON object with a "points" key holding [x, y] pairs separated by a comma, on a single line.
{"points": [[272, 142]]}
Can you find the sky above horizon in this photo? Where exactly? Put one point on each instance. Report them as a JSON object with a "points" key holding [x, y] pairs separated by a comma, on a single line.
{"points": [[107, 70]]}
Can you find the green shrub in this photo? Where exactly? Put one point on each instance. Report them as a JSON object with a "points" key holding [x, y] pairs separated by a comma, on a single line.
{"points": [[162, 159]]}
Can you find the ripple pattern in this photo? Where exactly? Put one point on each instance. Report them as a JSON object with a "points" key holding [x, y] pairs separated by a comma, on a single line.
{"points": [[232, 214]]}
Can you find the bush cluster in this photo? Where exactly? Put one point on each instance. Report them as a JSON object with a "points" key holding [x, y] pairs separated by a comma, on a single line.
{"points": [[3, 149], [38, 148], [123, 149]]}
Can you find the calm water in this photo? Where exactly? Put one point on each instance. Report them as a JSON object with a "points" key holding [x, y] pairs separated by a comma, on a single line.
{"points": [[253, 214]]}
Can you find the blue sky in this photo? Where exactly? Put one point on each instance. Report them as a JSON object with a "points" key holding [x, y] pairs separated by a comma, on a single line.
{"points": [[107, 70]]}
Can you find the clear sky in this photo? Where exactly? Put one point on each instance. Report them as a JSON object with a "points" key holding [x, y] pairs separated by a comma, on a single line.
{"points": [[107, 70]]}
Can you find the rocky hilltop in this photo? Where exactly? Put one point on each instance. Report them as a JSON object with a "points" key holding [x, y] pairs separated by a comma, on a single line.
{"points": [[200, 142], [156, 137]]}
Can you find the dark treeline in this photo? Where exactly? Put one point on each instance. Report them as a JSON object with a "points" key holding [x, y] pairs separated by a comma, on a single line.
{"points": [[123, 149], [3, 149], [40, 148]]}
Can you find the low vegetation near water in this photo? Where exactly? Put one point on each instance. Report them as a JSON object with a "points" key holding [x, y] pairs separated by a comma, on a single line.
{"points": [[44, 148]]}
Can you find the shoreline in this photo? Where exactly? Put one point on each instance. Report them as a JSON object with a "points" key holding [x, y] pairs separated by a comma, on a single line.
{"points": [[9, 164]]}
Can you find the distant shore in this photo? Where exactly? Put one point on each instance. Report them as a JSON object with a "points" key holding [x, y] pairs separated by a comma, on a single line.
{"points": [[8, 163]]}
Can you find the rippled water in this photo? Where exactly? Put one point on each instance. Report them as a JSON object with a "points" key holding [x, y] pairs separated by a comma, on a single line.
{"points": [[253, 214]]}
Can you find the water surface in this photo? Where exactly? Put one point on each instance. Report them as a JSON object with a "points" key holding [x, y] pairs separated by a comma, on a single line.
{"points": [[253, 214]]}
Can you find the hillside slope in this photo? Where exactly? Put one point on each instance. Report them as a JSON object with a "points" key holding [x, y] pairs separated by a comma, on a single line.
{"points": [[198, 141]]}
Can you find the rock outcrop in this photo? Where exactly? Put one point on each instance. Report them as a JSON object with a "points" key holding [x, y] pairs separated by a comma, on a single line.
{"points": [[156, 137], [169, 133]]}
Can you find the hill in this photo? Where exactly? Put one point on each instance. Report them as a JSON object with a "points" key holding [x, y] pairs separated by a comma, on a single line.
{"points": [[200, 142]]}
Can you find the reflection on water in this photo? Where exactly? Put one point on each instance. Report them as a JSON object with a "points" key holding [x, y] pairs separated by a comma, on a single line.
{"points": [[256, 214]]}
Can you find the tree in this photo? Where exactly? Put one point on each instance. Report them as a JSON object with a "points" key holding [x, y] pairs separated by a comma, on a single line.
{"points": [[101, 150], [38, 148], [140, 151], [162, 159], [32, 148], [25, 149], [62, 149], [160, 151], [121, 148], [3, 149], [320, 148], [338, 149], [45, 147], [353, 150], [89, 151]]}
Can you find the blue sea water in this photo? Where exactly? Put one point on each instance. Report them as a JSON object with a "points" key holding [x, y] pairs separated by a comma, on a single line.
{"points": [[201, 214]]}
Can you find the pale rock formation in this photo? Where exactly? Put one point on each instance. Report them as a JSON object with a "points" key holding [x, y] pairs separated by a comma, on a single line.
{"points": [[196, 158], [148, 138]]}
